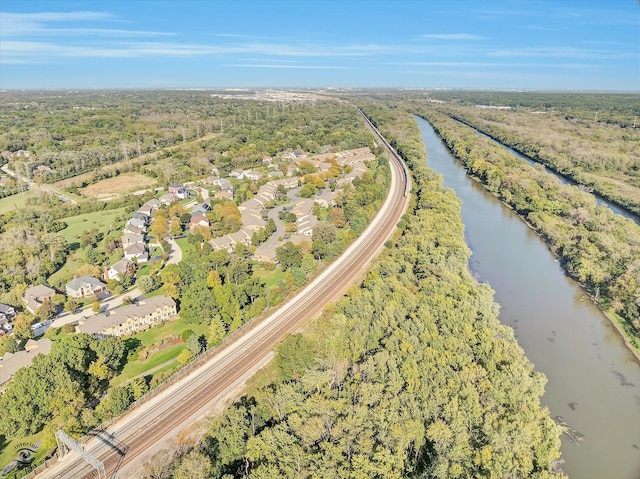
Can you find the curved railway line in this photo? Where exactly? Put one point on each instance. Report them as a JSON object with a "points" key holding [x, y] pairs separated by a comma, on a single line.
{"points": [[123, 444]]}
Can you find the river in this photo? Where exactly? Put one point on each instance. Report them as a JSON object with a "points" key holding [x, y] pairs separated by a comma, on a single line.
{"points": [[593, 379]]}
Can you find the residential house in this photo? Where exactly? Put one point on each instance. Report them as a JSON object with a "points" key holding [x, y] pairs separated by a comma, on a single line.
{"points": [[266, 253], [7, 312], [167, 199], [129, 319], [5, 181], [138, 223], [305, 220], [201, 208], [129, 239], [140, 216], [179, 191], [118, 270], [154, 203], [12, 362], [223, 242], [198, 220], [238, 174], [175, 187], [223, 195], [146, 210], [132, 229], [253, 175], [84, 287], [229, 242], [326, 197], [243, 236], [36, 295], [223, 183], [137, 251], [252, 219]]}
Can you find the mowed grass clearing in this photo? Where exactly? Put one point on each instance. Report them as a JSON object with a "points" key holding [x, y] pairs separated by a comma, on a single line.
{"points": [[103, 221], [153, 336], [270, 278], [125, 183], [15, 202]]}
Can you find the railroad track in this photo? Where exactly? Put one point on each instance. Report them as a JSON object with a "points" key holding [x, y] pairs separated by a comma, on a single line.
{"points": [[124, 443]]}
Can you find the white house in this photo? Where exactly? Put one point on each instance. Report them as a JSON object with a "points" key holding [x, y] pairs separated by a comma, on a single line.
{"points": [[138, 252], [253, 175], [118, 269]]}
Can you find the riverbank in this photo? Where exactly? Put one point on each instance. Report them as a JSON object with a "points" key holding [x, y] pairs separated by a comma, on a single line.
{"points": [[613, 319], [595, 248], [597, 185], [593, 377]]}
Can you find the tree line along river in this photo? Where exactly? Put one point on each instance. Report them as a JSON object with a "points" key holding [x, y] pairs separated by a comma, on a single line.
{"points": [[593, 379]]}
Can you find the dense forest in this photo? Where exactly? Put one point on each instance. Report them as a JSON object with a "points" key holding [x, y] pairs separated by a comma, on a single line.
{"points": [[89, 131], [411, 375], [597, 247]]}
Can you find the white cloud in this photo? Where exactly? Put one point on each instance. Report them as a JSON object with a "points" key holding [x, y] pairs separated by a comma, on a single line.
{"points": [[562, 52], [45, 24], [288, 66], [453, 36]]}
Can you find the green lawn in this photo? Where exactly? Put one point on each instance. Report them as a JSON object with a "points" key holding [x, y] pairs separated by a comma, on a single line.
{"points": [[152, 336], [14, 202], [67, 272], [187, 248], [104, 221], [270, 278], [135, 368]]}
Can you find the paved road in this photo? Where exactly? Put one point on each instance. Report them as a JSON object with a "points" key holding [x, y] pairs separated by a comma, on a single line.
{"points": [[175, 255], [35, 186]]}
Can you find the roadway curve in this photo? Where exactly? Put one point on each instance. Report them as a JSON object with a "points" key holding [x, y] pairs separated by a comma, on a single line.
{"points": [[122, 446]]}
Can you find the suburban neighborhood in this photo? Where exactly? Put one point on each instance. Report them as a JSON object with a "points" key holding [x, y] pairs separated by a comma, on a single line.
{"points": [[278, 195]]}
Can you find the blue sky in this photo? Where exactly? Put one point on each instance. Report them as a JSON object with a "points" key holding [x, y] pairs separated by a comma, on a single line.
{"points": [[585, 44]]}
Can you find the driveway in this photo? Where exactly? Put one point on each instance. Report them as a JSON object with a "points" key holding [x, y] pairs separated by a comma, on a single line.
{"points": [[111, 303], [175, 255]]}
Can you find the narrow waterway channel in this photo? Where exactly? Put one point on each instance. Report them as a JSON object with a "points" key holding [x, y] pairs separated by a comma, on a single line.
{"points": [[593, 379], [600, 200]]}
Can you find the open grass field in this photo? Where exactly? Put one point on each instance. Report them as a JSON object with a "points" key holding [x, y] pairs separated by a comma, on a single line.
{"points": [[153, 336], [121, 184], [15, 202], [104, 221], [270, 278]]}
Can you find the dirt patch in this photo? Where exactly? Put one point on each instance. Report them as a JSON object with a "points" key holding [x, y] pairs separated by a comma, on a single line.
{"points": [[118, 184]]}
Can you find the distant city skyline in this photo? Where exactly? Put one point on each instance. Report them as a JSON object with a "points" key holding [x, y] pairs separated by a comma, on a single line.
{"points": [[538, 44]]}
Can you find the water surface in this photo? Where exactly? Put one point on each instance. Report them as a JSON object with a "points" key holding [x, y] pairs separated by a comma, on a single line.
{"points": [[593, 379]]}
